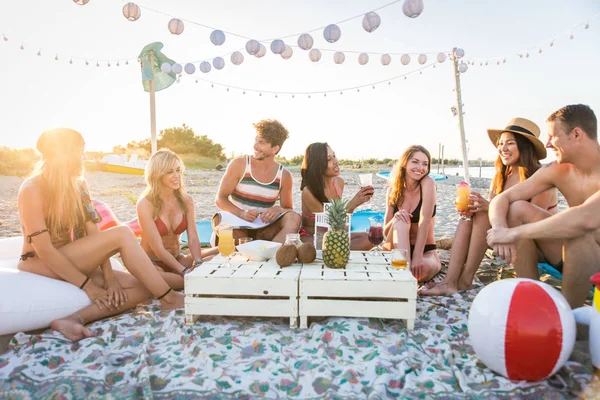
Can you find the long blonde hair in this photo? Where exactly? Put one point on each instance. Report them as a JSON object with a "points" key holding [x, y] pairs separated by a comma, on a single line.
{"points": [[398, 180], [61, 173], [160, 163]]}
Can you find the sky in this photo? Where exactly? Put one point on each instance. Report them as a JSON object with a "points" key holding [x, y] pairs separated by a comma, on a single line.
{"points": [[109, 107]]}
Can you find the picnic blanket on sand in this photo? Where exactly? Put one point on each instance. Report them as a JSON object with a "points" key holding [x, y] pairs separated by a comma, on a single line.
{"points": [[149, 353]]}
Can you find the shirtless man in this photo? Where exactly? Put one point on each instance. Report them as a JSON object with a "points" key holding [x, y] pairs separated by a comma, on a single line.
{"points": [[520, 227], [252, 184]]}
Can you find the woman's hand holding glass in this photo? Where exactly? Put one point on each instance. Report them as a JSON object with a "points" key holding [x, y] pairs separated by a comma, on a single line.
{"points": [[478, 203], [364, 195]]}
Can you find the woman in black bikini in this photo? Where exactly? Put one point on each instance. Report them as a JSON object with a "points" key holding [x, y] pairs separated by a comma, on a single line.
{"points": [[164, 212], [410, 214], [63, 242]]}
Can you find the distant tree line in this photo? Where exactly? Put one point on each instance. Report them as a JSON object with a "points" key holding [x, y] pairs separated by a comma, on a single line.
{"points": [[297, 160]]}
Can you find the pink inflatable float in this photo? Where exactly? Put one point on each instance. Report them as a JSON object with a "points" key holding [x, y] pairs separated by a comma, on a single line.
{"points": [[109, 219]]}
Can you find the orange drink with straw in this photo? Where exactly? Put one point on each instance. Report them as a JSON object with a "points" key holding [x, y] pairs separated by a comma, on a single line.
{"points": [[463, 191]]}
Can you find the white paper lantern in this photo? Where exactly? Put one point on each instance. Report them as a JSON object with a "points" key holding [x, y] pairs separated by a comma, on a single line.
{"points": [[314, 55], [177, 68], [371, 21], [462, 67], [287, 53], [305, 41], [205, 67], [405, 59], [252, 47], [386, 59], [422, 59], [413, 8], [277, 46], [218, 62], [363, 58], [441, 57], [217, 37], [459, 53], [131, 11], [261, 51], [176, 26], [81, 2], [339, 57], [237, 58], [189, 68], [166, 68], [332, 33]]}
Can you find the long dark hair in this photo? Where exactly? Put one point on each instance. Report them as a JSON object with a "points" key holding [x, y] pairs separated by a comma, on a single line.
{"points": [[313, 168], [398, 180], [527, 163]]}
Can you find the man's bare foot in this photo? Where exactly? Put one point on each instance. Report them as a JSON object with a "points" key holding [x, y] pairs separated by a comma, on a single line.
{"points": [[173, 301], [439, 290], [71, 328]]}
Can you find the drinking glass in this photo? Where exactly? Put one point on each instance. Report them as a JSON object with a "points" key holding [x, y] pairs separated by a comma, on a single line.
{"points": [[463, 191], [366, 180], [375, 235], [226, 245], [400, 258]]}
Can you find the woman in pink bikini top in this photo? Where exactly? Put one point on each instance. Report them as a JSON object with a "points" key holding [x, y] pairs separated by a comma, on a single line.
{"points": [[321, 182]]}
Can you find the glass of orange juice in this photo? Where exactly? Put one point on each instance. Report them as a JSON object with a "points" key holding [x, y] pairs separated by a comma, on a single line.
{"points": [[226, 245], [463, 191], [400, 258]]}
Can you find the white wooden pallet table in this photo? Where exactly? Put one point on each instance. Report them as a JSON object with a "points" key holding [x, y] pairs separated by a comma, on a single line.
{"points": [[247, 288], [367, 287]]}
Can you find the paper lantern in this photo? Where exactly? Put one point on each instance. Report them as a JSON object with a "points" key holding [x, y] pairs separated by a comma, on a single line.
{"points": [[305, 41], [413, 8], [252, 47], [371, 21], [237, 58], [521, 328], [422, 59], [166, 68], [277, 46], [332, 33], [386, 59], [405, 59], [441, 57], [261, 52], [218, 62], [189, 68], [314, 55], [363, 58], [177, 68], [287, 53], [462, 67], [459, 53], [217, 37], [176, 26], [339, 57], [81, 2], [205, 67], [131, 11]]}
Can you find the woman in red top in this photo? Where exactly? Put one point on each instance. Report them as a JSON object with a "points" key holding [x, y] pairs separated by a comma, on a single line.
{"points": [[321, 182], [164, 212]]}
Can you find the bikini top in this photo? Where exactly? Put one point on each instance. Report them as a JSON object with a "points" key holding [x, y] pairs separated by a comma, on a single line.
{"points": [[162, 228], [416, 213], [337, 196]]}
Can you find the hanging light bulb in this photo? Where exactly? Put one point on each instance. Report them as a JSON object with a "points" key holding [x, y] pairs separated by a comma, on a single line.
{"points": [[332, 33], [586, 26], [551, 43], [405, 59], [371, 21], [22, 46], [71, 61], [540, 50], [39, 53], [126, 62], [5, 38], [571, 36], [462, 67], [176, 26], [305, 41], [97, 64], [56, 57], [87, 62], [527, 55], [217, 37], [412, 8], [108, 64], [131, 12], [504, 60], [117, 63]]}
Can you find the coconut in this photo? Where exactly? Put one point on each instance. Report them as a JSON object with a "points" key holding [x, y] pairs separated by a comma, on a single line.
{"points": [[306, 253], [286, 255]]}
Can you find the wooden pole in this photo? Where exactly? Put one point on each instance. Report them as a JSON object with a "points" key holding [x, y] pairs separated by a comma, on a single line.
{"points": [[461, 125], [152, 109], [439, 157], [443, 169]]}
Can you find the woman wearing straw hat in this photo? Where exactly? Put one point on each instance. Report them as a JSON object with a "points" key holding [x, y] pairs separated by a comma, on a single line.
{"points": [[519, 153]]}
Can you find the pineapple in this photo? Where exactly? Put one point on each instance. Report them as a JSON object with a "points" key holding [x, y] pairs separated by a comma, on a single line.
{"points": [[336, 244]]}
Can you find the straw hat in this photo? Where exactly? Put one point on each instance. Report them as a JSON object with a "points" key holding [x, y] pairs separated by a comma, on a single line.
{"points": [[525, 128]]}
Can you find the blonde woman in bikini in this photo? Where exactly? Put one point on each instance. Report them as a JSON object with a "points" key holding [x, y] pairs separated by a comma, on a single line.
{"points": [[63, 242], [321, 182]]}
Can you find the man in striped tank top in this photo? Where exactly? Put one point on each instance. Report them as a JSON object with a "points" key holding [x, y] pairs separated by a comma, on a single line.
{"points": [[252, 185]]}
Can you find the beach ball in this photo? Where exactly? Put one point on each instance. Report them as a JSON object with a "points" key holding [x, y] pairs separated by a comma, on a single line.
{"points": [[522, 329]]}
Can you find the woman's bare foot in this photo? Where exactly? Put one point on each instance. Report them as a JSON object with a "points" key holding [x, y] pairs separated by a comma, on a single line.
{"points": [[71, 328], [439, 290], [173, 301]]}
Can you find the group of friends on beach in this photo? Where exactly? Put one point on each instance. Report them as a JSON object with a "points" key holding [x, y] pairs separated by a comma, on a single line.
{"points": [[520, 220]]}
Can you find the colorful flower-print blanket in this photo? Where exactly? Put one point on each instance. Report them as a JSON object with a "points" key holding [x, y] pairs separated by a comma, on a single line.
{"points": [[148, 353]]}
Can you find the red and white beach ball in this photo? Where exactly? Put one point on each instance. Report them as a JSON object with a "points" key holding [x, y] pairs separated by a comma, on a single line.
{"points": [[522, 329]]}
